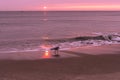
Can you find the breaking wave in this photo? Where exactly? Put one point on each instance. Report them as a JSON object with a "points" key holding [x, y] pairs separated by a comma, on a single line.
{"points": [[64, 43], [98, 40]]}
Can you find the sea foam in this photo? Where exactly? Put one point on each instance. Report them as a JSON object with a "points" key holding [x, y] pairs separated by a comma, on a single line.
{"points": [[64, 43]]}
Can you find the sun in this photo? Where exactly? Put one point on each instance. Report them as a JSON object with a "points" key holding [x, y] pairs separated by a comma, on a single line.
{"points": [[44, 7]]}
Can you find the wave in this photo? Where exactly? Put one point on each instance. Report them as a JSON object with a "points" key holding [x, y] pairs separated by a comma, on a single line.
{"points": [[109, 37], [63, 43], [100, 39]]}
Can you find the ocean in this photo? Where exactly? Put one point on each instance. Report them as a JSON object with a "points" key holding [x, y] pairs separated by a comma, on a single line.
{"points": [[40, 30]]}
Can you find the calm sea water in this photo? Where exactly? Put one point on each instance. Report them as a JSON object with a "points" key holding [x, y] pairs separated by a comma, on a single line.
{"points": [[27, 30]]}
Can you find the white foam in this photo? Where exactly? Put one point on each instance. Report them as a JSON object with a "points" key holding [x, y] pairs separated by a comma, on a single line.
{"points": [[17, 50], [68, 45], [114, 39]]}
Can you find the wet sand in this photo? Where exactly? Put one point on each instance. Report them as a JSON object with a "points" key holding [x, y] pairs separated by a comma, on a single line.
{"points": [[86, 63]]}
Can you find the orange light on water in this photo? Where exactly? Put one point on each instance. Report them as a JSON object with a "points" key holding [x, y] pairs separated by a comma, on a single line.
{"points": [[46, 53]]}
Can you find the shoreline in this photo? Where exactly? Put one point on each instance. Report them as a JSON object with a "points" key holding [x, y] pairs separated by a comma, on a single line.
{"points": [[73, 52], [86, 66]]}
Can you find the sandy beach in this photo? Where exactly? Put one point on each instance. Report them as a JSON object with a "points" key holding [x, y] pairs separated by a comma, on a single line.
{"points": [[86, 63]]}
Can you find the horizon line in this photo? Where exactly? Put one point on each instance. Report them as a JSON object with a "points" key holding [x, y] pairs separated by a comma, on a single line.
{"points": [[54, 10]]}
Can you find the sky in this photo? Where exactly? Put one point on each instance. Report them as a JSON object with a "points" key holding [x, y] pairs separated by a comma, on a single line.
{"points": [[56, 5]]}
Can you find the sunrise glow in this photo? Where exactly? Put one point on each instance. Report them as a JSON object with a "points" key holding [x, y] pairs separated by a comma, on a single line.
{"points": [[82, 7], [44, 7], [59, 5]]}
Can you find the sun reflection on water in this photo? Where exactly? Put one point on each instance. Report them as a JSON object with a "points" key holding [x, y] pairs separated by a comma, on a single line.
{"points": [[46, 54]]}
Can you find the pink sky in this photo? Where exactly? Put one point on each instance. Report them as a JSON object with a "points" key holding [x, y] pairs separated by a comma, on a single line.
{"points": [[59, 5]]}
